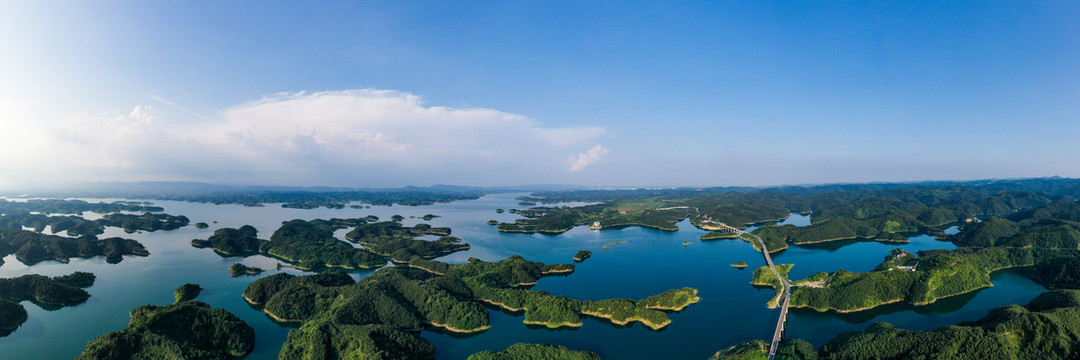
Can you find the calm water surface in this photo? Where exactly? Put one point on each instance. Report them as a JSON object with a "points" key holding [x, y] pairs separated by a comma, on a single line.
{"points": [[650, 262]]}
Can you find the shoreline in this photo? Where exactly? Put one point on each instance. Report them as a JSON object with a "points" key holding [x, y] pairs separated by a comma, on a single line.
{"points": [[447, 327], [628, 320]]}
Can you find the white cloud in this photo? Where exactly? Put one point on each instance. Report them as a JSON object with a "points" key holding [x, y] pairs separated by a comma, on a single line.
{"points": [[355, 137], [583, 160]]}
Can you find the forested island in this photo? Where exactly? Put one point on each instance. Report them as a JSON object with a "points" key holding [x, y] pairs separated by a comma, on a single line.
{"points": [[382, 312], [399, 243], [184, 330], [535, 351], [582, 255], [238, 269], [187, 292], [311, 244], [32, 247], [77, 226], [305, 244], [1045, 328], [54, 292], [73, 207]]}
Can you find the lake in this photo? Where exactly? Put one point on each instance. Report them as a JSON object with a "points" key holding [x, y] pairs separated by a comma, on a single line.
{"points": [[650, 262]]}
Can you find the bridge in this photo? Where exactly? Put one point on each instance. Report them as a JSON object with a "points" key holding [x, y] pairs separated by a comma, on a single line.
{"points": [[785, 294]]}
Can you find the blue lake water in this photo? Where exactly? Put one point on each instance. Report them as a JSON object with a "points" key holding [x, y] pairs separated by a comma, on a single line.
{"points": [[650, 262]]}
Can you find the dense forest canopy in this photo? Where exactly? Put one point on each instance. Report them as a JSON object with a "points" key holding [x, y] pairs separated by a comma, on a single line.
{"points": [[184, 330], [380, 313], [54, 292]]}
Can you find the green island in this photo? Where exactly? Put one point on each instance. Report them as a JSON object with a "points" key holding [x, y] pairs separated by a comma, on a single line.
{"points": [[582, 255], [238, 269], [145, 222], [305, 244], [380, 313], [311, 244], [73, 207], [201, 225], [1045, 328], [535, 351], [32, 247], [739, 265], [399, 243], [184, 330], [764, 277], [428, 217], [187, 292], [608, 245], [493, 222], [499, 211], [54, 292], [78, 226], [397, 218]]}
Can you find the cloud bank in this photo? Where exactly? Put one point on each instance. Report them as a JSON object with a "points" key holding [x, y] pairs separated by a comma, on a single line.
{"points": [[364, 137]]}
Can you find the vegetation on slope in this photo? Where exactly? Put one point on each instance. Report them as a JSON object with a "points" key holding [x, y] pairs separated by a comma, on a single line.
{"points": [[238, 269], [31, 247], [311, 244], [765, 277], [940, 273], [524, 351], [78, 226], [1046, 328], [185, 330], [57, 291], [379, 313], [74, 207], [399, 243], [187, 292]]}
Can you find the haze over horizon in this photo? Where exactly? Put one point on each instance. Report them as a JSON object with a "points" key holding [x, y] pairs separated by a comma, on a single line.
{"points": [[387, 94]]}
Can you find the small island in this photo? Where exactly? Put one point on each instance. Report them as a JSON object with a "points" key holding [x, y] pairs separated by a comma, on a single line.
{"points": [[187, 292], [492, 222], [499, 211], [201, 225], [608, 245], [582, 255], [739, 265], [238, 269], [428, 217], [397, 218]]}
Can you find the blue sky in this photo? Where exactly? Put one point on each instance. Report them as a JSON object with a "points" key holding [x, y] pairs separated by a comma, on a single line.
{"points": [[504, 93]]}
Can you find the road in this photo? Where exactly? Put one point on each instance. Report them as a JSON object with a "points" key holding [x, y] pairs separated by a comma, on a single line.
{"points": [[785, 294]]}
